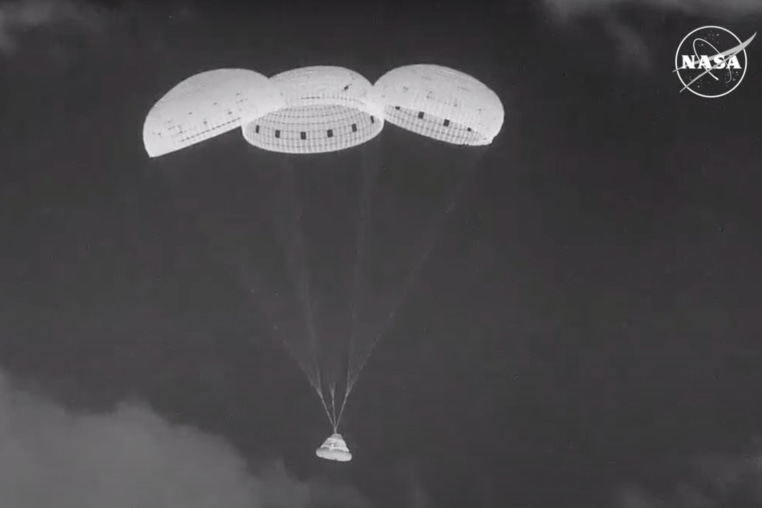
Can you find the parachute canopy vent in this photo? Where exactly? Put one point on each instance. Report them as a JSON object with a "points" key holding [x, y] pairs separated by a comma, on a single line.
{"points": [[334, 448]]}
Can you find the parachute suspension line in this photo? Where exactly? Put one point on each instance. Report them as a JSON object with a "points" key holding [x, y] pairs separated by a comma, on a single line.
{"points": [[244, 275], [331, 415], [334, 421], [423, 249], [368, 176], [294, 251], [347, 390], [308, 370], [304, 275]]}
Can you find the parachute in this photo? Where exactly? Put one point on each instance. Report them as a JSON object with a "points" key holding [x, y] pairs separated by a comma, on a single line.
{"points": [[440, 103], [309, 127], [206, 105], [323, 109]]}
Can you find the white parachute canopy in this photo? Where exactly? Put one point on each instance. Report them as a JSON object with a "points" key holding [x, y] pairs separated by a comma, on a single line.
{"points": [[206, 105], [440, 103], [334, 448], [322, 109]]}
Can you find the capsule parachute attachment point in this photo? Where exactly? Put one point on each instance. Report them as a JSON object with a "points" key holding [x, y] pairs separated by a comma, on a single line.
{"points": [[334, 448]]}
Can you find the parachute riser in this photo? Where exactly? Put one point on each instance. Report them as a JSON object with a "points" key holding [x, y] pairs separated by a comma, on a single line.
{"points": [[423, 249]]}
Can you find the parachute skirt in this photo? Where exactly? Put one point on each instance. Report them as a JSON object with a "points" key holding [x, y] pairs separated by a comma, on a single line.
{"points": [[334, 448]]}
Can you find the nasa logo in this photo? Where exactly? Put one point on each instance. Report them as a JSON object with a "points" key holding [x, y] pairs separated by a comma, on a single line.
{"points": [[711, 61]]}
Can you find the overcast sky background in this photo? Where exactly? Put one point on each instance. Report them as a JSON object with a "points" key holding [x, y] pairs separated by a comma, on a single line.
{"points": [[586, 326]]}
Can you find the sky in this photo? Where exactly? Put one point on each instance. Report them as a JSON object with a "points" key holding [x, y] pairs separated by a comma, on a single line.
{"points": [[584, 331]]}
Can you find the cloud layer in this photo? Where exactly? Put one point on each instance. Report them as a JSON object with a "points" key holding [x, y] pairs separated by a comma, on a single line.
{"points": [[711, 481], [51, 456], [712, 8], [631, 37], [22, 16]]}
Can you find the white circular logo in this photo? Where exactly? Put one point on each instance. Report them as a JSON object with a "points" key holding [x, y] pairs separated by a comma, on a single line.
{"points": [[711, 61]]}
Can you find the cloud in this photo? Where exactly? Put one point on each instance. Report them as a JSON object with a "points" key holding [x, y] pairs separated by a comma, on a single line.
{"points": [[50, 25], [633, 497], [709, 481], [52, 456], [564, 9], [21, 16], [417, 495], [630, 37]]}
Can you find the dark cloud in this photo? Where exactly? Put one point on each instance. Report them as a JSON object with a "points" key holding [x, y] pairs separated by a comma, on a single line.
{"points": [[53, 456]]}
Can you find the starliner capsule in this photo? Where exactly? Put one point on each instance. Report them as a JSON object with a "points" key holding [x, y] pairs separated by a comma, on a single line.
{"points": [[334, 448]]}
